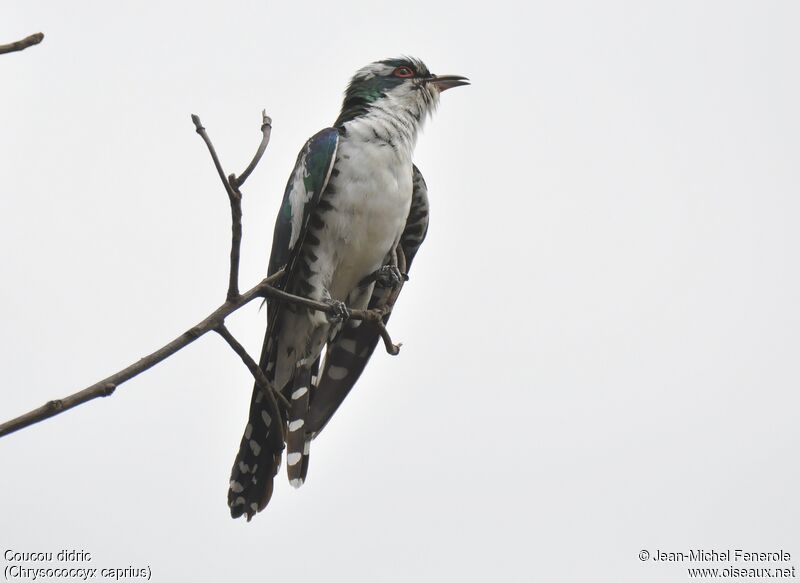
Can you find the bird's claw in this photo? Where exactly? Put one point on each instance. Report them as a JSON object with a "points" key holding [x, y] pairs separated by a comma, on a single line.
{"points": [[389, 276], [339, 311]]}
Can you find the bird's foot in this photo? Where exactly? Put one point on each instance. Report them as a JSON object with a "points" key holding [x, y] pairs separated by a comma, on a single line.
{"points": [[339, 311], [389, 276]]}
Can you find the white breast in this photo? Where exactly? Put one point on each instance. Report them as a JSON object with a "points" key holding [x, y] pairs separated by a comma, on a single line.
{"points": [[372, 201]]}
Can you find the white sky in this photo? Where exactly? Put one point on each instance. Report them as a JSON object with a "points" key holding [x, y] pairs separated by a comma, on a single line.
{"points": [[600, 334]]}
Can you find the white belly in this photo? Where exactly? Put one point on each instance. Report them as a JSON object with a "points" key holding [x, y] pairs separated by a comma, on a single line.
{"points": [[372, 201]]}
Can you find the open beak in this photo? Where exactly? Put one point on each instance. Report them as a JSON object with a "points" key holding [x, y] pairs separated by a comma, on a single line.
{"points": [[444, 82]]}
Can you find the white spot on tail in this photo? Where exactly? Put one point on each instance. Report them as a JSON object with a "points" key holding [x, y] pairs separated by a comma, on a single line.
{"points": [[239, 500], [299, 393], [296, 483], [337, 373], [307, 447], [243, 467], [236, 487], [296, 424], [254, 447], [348, 345], [294, 458]]}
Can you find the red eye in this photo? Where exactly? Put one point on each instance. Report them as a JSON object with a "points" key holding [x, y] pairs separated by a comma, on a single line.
{"points": [[403, 72]]}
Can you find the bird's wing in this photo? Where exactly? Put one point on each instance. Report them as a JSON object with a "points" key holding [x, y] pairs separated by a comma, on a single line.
{"points": [[306, 184], [262, 445], [349, 353]]}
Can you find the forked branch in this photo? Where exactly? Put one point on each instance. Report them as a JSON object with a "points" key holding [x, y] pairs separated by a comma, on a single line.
{"points": [[232, 185]]}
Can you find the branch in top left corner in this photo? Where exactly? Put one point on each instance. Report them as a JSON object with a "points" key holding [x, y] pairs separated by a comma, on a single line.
{"points": [[23, 44]]}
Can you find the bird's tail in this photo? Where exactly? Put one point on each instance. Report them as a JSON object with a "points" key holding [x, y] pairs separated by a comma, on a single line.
{"points": [[297, 441], [259, 457]]}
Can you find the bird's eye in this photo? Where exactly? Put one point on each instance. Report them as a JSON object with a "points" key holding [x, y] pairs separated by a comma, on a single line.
{"points": [[403, 72]]}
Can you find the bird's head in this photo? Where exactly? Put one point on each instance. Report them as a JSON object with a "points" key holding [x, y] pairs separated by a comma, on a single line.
{"points": [[401, 87]]}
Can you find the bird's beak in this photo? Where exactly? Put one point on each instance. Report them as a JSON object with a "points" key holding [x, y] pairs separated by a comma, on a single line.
{"points": [[444, 82]]}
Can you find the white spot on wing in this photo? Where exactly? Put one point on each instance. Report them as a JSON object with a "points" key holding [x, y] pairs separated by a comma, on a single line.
{"points": [[266, 418], [254, 447], [299, 392], [297, 199], [236, 487], [248, 431]]}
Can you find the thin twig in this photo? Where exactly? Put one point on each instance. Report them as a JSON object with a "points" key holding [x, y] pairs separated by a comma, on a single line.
{"points": [[391, 347], [202, 131], [279, 294], [235, 199], [23, 44], [266, 130], [261, 379]]}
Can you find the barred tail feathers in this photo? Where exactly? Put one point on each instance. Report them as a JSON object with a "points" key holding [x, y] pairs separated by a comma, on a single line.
{"points": [[258, 460], [296, 441]]}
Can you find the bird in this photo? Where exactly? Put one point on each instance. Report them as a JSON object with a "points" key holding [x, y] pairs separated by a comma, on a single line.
{"points": [[354, 196]]}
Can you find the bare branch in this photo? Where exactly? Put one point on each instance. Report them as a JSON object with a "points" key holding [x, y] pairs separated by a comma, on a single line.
{"points": [[279, 294], [107, 386], [214, 321], [23, 44]]}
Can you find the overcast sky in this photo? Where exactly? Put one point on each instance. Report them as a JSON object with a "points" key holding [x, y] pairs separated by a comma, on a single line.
{"points": [[600, 335]]}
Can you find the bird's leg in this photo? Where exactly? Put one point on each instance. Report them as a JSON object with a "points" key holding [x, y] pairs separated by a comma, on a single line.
{"points": [[387, 276], [340, 313]]}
